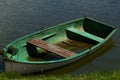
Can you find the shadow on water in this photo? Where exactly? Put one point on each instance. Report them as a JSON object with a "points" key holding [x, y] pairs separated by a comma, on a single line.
{"points": [[71, 68]]}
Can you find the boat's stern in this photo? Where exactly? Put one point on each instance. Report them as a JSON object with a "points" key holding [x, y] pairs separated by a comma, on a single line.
{"points": [[98, 28]]}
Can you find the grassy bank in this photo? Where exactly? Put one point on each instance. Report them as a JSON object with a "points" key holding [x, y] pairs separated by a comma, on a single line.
{"points": [[112, 75]]}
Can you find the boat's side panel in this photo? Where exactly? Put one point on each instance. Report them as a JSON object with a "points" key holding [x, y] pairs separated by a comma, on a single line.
{"points": [[30, 68]]}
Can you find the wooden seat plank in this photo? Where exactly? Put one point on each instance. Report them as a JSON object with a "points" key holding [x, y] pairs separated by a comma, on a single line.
{"points": [[52, 48]]}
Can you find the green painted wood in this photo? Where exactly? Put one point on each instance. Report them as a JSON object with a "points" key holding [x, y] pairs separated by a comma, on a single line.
{"points": [[85, 34]]}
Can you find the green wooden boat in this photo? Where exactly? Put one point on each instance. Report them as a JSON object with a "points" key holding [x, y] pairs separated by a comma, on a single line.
{"points": [[56, 46]]}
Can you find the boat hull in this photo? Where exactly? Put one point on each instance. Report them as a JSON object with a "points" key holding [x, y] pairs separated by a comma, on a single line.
{"points": [[24, 68], [72, 36], [32, 68]]}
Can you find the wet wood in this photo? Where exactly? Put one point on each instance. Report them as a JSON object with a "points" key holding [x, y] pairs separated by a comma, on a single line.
{"points": [[52, 48], [75, 46]]}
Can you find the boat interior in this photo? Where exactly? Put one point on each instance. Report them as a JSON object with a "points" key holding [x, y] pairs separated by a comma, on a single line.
{"points": [[64, 40]]}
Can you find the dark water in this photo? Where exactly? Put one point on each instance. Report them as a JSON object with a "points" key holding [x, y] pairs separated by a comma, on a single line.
{"points": [[21, 17]]}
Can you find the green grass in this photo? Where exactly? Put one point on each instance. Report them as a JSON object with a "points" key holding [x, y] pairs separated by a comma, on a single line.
{"points": [[111, 75]]}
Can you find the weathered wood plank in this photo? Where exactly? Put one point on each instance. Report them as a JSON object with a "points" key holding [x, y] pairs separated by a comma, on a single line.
{"points": [[52, 48]]}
